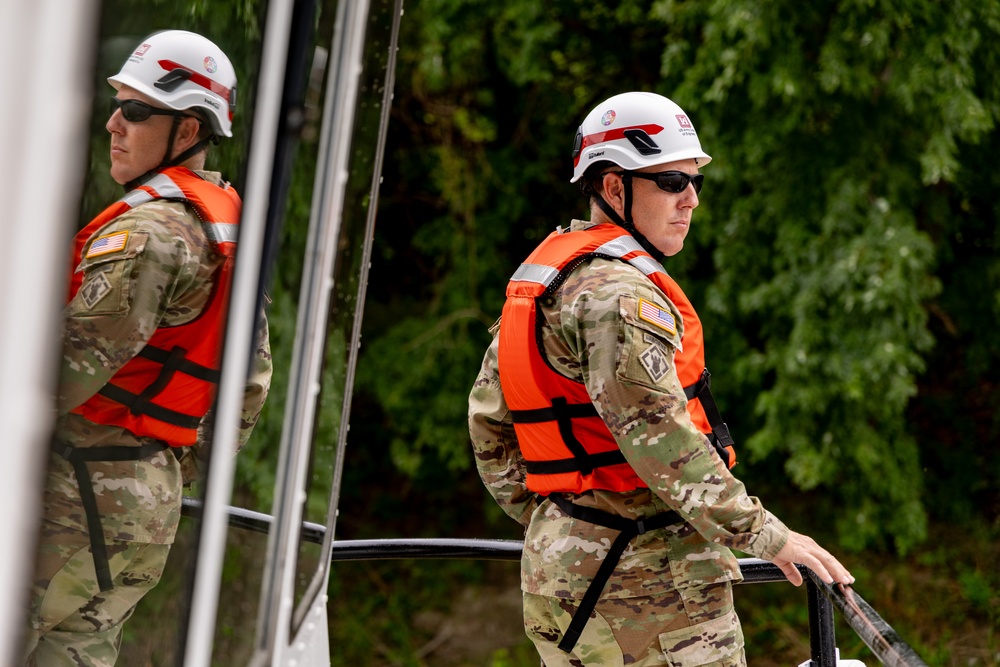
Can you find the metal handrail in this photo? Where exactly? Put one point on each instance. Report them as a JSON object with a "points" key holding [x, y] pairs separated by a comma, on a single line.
{"points": [[876, 633]]}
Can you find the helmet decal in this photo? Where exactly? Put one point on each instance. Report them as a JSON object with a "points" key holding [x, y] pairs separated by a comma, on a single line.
{"points": [[210, 65], [608, 118], [686, 128], [642, 142]]}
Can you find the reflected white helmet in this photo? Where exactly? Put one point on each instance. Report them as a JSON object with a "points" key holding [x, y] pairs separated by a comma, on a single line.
{"points": [[635, 130], [183, 70]]}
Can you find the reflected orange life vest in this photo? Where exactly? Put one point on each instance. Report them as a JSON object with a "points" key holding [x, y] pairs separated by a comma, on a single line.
{"points": [[166, 390], [566, 445]]}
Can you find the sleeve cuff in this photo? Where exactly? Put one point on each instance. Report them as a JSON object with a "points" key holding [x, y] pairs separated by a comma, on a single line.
{"points": [[772, 537]]}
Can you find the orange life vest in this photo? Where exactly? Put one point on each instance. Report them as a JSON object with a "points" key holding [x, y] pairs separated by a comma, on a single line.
{"points": [[566, 445], [167, 389]]}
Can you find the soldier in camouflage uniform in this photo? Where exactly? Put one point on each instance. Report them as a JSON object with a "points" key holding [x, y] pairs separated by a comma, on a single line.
{"points": [[606, 332], [157, 261]]}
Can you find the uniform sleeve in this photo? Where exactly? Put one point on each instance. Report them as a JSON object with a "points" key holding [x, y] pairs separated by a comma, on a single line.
{"points": [[258, 383], [120, 303], [498, 455], [625, 333], [195, 459]]}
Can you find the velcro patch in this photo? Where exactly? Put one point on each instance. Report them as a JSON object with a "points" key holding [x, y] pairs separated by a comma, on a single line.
{"points": [[653, 340], [106, 245], [655, 362], [650, 312], [95, 289]]}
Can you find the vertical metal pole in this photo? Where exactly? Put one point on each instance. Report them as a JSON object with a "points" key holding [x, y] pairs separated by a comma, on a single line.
{"points": [[239, 337], [822, 642], [48, 47], [278, 589]]}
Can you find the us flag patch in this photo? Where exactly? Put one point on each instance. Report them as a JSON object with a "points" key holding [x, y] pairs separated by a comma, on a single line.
{"points": [[107, 244], [650, 312]]}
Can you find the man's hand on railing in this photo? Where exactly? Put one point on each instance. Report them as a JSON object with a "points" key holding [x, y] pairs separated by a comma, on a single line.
{"points": [[803, 550]]}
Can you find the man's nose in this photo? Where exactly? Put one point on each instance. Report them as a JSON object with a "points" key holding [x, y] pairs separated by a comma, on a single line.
{"points": [[114, 121], [689, 197]]}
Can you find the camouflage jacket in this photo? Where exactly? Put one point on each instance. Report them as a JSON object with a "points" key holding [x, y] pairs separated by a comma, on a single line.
{"points": [[591, 332], [163, 278]]}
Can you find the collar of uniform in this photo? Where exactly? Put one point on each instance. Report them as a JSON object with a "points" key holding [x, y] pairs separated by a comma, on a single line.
{"points": [[213, 177], [579, 225]]}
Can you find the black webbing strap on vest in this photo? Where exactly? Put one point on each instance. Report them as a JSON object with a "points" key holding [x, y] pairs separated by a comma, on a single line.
{"points": [[78, 457], [175, 358], [628, 529], [563, 414], [702, 390], [142, 404]]}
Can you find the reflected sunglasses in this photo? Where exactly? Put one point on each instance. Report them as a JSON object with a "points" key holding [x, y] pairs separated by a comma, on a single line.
{"points": [[672, 181], [135, 111]]}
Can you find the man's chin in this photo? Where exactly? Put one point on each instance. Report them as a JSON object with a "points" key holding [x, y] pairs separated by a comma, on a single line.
{"points": [[121, 176], [671, 249]]}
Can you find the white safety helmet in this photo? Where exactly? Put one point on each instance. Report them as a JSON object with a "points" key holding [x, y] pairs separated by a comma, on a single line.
{"points": [[635, 130], [182, 70]]}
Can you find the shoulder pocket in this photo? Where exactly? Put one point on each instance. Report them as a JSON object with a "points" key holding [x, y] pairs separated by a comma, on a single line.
{"points": [[107, 275], [663, 323], [649, 338]]}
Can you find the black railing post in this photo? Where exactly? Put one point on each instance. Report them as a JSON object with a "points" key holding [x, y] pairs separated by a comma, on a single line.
{"points": [[822, 640]]}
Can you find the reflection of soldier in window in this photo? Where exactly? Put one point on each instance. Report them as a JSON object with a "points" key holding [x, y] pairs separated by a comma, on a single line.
{"points": [[141, 351]]}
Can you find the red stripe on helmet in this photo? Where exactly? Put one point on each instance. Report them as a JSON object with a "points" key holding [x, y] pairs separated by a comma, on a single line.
{"points": [[612, 135], [195, 77]]}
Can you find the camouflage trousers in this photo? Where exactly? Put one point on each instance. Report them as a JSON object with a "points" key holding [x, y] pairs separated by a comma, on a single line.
{"points": [[71, 621], [694, 627]]}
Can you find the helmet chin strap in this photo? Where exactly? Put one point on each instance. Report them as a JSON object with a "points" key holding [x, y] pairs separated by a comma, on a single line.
{"points": [[166, 161], [627, 223]]}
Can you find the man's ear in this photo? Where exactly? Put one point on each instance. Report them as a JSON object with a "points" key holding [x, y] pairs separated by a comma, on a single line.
{"points": [[187, 134], [613, 190]]}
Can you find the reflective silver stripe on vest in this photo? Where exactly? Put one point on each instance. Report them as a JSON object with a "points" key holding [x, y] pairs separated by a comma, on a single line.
{"points": [[221, 232], [137, 197], [218, 232], [619, 247], [646, 264], [535, 273], [164, 185], [622, 246]]}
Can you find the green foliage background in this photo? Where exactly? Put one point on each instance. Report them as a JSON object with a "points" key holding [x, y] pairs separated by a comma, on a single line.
{"points": [[844, 254], [844, 257]]}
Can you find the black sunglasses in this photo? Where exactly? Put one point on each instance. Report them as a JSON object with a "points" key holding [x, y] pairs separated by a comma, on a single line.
{"points": [[672, 181], [135, 111]]}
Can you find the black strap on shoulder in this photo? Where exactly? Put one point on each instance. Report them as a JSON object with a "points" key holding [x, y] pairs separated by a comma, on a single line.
{"points": [[703, 383], [628, 529], [702, 390], [563, 414], [78, 457]]}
